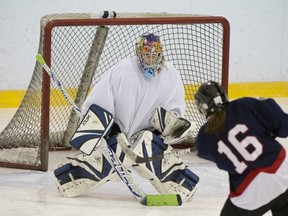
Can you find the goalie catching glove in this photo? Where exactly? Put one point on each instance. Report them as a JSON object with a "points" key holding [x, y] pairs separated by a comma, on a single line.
{"points": [[173, 128]]}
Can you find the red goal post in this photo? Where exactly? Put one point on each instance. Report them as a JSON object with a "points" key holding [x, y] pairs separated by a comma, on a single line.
{"points": [[80, 48]]}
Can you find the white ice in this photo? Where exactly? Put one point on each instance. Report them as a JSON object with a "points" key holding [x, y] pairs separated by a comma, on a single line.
{"points": [[33, 193]]}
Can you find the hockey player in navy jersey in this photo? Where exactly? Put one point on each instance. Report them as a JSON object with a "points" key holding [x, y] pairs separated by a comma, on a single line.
{"points": [[145, 96], [239, 137]]}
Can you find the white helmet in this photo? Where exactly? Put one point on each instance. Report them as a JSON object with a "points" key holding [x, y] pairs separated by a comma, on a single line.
{"points": [[149, 53]]}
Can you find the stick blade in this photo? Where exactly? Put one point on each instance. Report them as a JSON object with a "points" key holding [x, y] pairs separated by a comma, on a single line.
{"points": [[163, 200], [40, 59]]}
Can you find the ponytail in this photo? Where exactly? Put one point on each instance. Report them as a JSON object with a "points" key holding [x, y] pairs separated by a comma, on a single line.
{"points": [[216, 122]]}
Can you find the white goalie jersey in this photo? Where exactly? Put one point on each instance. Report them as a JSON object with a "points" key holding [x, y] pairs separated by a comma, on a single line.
{"points": [[133, 99]]}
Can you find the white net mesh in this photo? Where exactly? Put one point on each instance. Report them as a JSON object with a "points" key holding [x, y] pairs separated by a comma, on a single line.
{"points": [[196, 48]]}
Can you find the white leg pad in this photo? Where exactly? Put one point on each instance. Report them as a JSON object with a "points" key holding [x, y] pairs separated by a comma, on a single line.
{"points": [[87, 172], [168, 175]]}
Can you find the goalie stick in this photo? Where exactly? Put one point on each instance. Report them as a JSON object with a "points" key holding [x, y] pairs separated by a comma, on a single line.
{"points": [[124, 175], [138, 159]]}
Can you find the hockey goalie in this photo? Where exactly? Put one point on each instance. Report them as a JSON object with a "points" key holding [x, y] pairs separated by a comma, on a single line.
{"points": [[137, 105]]}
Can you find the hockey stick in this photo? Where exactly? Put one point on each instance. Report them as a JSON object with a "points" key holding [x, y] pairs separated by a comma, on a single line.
{"points": [[138, 159], [125, 176]]}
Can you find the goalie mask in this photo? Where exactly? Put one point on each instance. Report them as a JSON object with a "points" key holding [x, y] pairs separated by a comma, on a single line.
{"points": [[210, 97], [149, 53]]}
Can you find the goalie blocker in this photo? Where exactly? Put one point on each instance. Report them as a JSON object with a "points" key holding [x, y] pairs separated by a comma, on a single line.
{"points": [[96, 124]]}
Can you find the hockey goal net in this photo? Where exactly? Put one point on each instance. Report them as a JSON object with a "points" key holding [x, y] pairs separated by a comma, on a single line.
{"points": [[80, 48]]}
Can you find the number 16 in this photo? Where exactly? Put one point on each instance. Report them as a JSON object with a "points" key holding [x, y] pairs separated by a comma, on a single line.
{"points": [[240, 146]]}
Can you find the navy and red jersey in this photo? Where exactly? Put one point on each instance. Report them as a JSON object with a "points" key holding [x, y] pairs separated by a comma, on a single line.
{"points": [[246, 146]]}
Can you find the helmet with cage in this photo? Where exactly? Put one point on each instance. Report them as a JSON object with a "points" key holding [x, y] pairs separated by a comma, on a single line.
{"points": [[211, 97], [149, 52]]}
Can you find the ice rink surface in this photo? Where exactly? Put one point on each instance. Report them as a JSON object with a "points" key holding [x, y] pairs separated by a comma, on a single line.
{"points": [[33, 193]]}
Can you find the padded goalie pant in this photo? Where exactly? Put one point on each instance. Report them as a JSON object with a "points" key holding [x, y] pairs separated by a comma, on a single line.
{"points": [[85, 173]]}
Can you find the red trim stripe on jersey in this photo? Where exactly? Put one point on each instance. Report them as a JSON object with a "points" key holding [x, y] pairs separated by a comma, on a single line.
{"points": [[254, 173]]}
